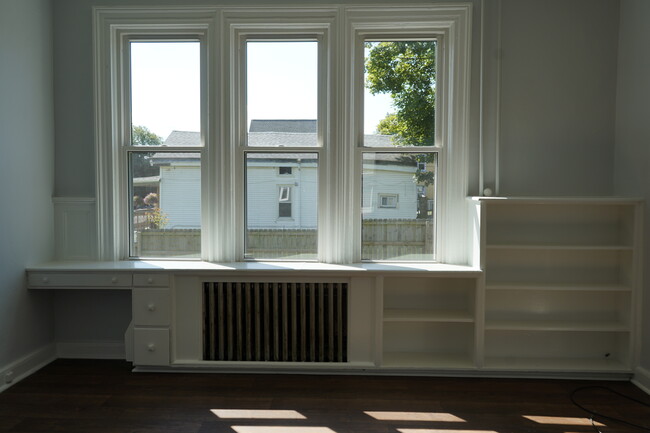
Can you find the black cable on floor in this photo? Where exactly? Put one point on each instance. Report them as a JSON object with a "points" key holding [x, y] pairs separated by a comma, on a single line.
{"points": [[593, 413]]}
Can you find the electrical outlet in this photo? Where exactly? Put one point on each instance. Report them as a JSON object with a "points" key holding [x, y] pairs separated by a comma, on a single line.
{"points": [[9, 377]]}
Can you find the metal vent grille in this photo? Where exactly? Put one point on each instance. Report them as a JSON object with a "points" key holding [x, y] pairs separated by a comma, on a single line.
{"points": [[277, 322]]}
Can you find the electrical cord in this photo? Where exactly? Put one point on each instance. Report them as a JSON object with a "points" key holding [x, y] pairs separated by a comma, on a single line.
{"points": [[594, 413]]}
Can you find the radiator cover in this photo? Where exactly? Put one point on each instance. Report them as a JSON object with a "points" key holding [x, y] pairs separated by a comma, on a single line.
{"points": [[275, 321]]}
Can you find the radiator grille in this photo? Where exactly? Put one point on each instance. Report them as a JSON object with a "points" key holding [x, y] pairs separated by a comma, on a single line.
{"points": [[278, 322]]}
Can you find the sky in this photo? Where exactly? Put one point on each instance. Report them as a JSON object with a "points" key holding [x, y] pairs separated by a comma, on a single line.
{"points": [[281, 84]]}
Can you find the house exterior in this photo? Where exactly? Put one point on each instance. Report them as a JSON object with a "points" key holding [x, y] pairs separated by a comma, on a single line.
{"points": [[282, 188]]}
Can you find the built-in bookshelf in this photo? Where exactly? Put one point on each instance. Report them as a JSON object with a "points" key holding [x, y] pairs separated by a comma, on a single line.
{"points": [[429, 322], [561, 280]]}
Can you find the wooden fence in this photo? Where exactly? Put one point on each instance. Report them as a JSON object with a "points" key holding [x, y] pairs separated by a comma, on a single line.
{"points": [[382, 239]]}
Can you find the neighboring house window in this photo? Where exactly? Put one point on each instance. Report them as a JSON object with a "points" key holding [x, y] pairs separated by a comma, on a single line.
{"points": [[243, 95], [284, 202], [388, 200]]}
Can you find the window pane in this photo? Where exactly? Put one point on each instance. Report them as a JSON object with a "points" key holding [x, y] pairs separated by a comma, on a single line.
{"points": [[281, 208], [282, 93], [400, 93], [166, 211], [165, 89], [398, 206]]}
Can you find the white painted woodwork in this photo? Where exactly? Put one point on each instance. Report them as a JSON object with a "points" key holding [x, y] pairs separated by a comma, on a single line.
{"points": [[151, 307], [75, 228], [151, 346], [562, 279], [558, 293], [79, 280], [151, 280]]}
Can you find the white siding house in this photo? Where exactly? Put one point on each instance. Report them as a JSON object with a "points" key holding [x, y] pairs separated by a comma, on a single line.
{"points": [[180, 195], [282, 189]]}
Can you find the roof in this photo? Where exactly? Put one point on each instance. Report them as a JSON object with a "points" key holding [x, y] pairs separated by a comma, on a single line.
{"points": [[269, 133], [302, 126]]}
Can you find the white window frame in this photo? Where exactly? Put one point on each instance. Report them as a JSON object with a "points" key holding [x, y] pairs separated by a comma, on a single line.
{"points": [[388, 197], [284, 196], [285, 167], [340, 30]]}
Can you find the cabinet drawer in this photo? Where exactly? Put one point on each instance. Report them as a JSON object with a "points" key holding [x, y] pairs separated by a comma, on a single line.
{"points": [[151, 280], [151, 346], [72, 280], [151, 307]]}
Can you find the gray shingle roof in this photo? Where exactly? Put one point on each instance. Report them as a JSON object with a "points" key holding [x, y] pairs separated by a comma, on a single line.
{"points": [[302, 126], [266, 133]]}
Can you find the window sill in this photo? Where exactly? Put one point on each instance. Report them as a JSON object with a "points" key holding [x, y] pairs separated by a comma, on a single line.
{"points": [[189, 267]]}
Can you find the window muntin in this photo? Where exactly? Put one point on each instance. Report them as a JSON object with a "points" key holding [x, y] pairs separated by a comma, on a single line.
{"points": [[281, 218], [282, 93], [397, 223]]}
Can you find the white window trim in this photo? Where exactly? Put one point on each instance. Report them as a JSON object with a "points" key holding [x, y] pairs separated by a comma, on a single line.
{"points": [[388, 196], [339, 28]]}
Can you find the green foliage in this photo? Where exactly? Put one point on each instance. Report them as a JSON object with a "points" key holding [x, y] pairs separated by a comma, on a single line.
{"points": [[140, 166], [142, 136], [406, 71], [157, 219]]}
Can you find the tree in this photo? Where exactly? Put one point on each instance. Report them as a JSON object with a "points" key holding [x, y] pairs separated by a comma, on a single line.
{"points": [[406, 70], [140, 165]]}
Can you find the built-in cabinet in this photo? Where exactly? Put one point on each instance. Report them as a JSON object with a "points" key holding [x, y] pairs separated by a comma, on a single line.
{"points": [[553, 287]]}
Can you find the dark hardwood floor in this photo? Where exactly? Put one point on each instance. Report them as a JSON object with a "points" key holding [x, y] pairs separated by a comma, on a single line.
{"points": [[104, 396]]}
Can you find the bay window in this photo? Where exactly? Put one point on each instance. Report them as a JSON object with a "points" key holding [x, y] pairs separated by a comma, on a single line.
{"points": [[334, 134]]}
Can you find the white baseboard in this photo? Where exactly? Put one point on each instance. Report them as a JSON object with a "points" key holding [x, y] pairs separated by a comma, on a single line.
{"points": [[27, 365], [91, 350], [642, 379]]}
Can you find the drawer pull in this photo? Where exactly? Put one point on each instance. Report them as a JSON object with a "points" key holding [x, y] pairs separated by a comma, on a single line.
{"points": [[114, 280], [151, 347], [150, 280], [151, 307], [45, 280]]}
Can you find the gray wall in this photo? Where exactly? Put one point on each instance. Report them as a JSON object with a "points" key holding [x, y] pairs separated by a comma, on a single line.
{"points": [[26, 173], [632, 174], [558, 97]]}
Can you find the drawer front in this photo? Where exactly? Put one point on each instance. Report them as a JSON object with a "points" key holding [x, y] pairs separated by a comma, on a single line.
{"points": [[151, 307], [98, 279], [151, 280], [151, 346]]}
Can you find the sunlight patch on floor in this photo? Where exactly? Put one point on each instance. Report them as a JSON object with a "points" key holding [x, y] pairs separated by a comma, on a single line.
{"points": [[414, 416], [561, 420], [421, 430], [280, 429], [257, 414]]}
